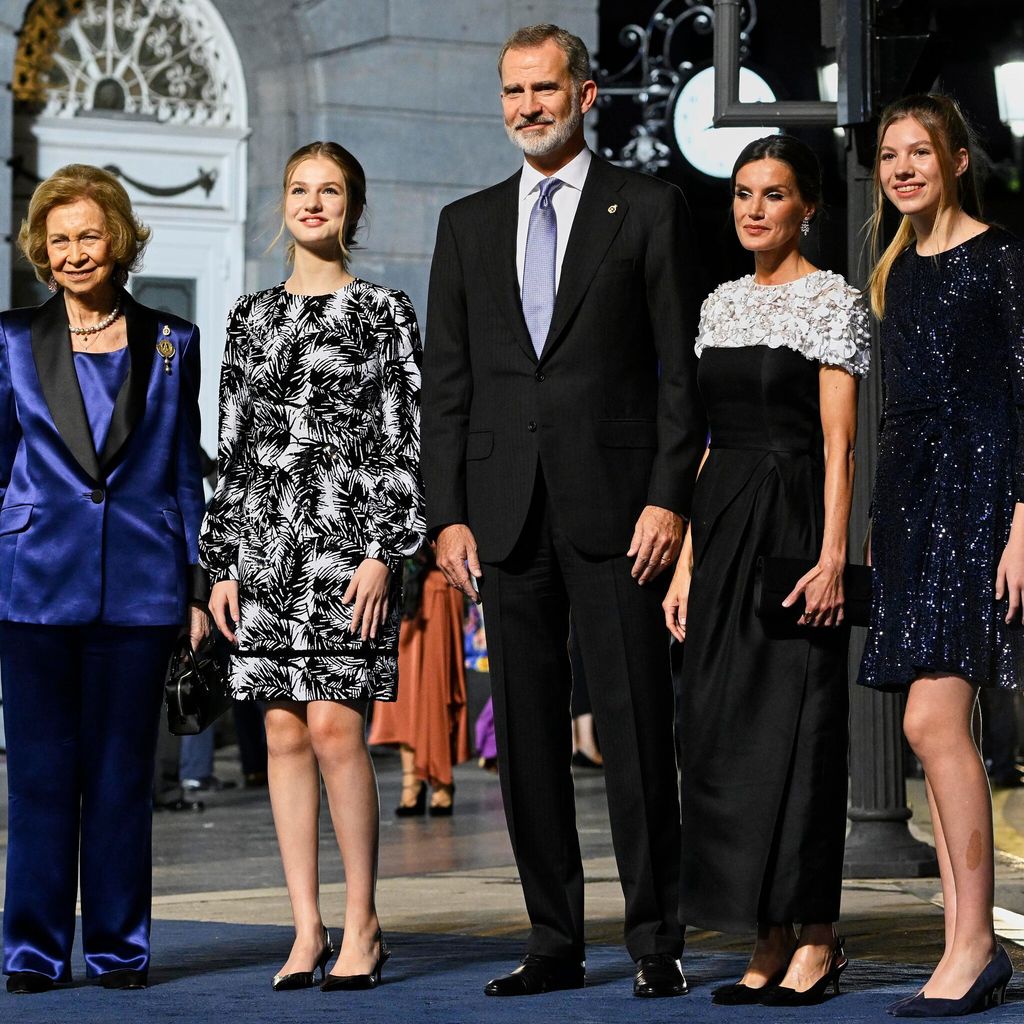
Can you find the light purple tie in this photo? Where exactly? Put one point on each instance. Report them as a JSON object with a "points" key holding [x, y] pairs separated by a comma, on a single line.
{"points": [[539, 266]]}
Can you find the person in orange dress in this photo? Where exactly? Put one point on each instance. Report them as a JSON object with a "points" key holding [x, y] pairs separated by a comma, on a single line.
{"points": [[429, 721]]}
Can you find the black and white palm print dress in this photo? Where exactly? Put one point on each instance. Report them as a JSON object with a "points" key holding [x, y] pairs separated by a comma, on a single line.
{"points": [[318, 464]]}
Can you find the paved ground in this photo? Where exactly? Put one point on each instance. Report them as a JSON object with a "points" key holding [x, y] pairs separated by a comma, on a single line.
{"points": [[455, 877]]}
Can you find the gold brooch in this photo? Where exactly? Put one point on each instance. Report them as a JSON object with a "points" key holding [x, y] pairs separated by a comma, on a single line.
{"points": [[166, 349], [613, 207]]}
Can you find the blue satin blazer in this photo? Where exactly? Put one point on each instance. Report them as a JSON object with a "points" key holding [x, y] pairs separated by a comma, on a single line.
{"points": [[89, 536]]}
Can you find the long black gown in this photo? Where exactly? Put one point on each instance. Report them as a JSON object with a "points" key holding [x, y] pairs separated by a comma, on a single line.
{"points": [[763, 721], [950, 465]]}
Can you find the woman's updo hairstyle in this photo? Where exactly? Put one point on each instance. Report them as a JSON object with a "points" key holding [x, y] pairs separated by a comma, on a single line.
{"points": [[796, 155], [355, 192]]}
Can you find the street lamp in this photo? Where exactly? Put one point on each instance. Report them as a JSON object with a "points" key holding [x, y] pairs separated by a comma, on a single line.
{"points": [[1010, 93]]}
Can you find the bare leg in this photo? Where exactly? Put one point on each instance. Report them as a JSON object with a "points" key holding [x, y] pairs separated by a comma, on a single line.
{"points": [[584, 739], [772, 951], [294, 782], [939, 726], [945, 876], [812, 959], [337, 730], [411, 782]]}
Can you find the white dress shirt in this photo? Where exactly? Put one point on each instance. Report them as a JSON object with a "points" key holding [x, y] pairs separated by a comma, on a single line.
{"points": [[565, 201]]}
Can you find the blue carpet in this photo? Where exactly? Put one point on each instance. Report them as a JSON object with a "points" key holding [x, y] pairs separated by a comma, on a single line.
{"points": [[221, 973]]}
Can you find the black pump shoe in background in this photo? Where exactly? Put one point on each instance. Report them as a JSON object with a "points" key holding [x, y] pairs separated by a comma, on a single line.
{"points": [[414, 810]]}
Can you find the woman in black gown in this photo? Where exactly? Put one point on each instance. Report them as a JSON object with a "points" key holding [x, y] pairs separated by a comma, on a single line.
{"points": [[948, 512], [763, 733]]}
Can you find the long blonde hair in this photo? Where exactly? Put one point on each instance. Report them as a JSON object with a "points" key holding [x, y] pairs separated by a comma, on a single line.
{"points": [[949, 132], [355, 194]]}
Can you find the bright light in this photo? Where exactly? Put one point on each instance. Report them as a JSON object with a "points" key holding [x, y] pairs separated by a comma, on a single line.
{"points": [[1010, 91], [828, 88], [828, 82]]}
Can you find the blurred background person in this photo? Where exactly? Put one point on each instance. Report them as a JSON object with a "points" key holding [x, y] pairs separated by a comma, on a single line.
{"points": [[429, 722], [102, 498]]}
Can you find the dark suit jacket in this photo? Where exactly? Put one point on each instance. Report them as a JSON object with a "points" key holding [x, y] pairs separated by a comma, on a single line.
{"points": [[90, 536], [610, 410]]}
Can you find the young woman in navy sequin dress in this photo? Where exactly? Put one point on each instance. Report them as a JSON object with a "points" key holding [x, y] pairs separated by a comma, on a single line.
{"points": [[948, 514]]}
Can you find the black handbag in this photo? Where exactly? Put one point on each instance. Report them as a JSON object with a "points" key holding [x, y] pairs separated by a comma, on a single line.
{"points": [[775, 578], [196, 684]]}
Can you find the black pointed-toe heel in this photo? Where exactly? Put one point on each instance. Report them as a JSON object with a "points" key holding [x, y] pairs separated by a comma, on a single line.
{"points": [[777, 995], [743, 995], [414, 810], [988, 991], [306, 979], [354, 982]]}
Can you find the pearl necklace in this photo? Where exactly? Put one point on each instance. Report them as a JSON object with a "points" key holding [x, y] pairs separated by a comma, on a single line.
{"points": [[102, 325]]}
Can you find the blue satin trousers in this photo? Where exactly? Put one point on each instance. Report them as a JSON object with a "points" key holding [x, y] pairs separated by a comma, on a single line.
{"points": [[81, 713]]}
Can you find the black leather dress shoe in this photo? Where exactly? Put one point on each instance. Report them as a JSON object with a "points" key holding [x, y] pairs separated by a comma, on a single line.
{"points": [[538, 974], [25, 983], [659, 975], [124, 979]]}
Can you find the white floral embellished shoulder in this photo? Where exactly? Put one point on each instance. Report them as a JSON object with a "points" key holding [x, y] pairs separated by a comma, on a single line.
{"points": [[820, 316]]}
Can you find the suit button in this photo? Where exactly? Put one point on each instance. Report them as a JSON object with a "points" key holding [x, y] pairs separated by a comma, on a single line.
{"points": [[538, 376], [97, 496], [531, 426]]}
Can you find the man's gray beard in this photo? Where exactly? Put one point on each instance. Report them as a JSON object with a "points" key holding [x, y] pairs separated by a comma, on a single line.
{"points": [[557, 135]]}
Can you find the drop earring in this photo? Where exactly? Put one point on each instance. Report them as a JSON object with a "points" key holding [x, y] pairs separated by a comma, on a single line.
{"points": [[805, 226], [52, 285]]}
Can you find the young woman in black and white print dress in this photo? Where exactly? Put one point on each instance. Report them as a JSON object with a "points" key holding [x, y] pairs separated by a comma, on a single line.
{"points": [[317, 504]]}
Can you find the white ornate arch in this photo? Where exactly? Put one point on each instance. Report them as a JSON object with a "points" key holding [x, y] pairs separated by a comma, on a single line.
{"points": [[172, 61]]}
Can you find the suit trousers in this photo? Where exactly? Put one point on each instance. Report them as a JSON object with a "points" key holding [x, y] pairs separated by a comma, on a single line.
{"points": [[81, 711], [625, 647]]}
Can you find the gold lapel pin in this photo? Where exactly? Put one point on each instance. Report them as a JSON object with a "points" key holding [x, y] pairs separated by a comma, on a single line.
{"points": [[613, 207], [166, 349]]}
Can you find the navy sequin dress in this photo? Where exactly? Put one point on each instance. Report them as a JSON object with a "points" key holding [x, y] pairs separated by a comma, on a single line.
{"points": [[950, 465]]}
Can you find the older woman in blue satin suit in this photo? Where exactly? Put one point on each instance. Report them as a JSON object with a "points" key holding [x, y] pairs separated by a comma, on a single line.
{"points": [[101, 499]]}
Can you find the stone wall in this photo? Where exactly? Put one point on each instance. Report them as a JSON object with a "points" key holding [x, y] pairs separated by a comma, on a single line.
{"points": [[410, 86]]}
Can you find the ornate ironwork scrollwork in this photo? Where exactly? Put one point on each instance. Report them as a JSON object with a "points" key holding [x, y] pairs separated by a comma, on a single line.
{"points": [[651, 75], [156, 59]]}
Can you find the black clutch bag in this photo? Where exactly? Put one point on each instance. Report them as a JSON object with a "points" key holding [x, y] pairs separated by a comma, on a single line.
{"points": [[196, 685], [775, 578]]}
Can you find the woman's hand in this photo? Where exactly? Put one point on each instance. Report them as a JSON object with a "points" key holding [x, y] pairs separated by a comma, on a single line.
{"points": [[1010, 571], [224, 606], [822, 590], [198, 626], [369, 590], [677, 598]]}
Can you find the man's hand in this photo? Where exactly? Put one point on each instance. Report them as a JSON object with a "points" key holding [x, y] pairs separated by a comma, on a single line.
{"points": [[455, 552], [656, 542]]}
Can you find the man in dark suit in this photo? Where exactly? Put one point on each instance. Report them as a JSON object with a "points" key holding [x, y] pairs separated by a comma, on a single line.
{"points": [[561, 437]]}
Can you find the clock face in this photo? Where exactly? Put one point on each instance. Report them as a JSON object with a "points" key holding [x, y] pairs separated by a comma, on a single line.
{"points": [[711, 150]]}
